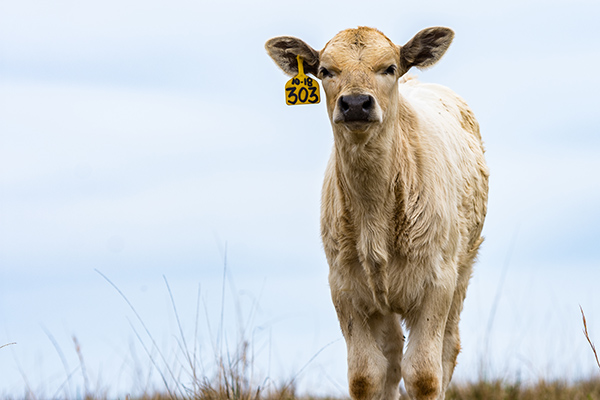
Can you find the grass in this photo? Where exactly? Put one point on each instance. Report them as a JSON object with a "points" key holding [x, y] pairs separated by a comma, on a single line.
{"points": [[232, 376], [233, 380], [495, 390], [587, 336], [542, 390]]}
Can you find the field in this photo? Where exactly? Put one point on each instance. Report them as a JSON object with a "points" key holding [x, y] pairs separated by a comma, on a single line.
{"points": [[585, 390], [233, 382], [232, 378]]}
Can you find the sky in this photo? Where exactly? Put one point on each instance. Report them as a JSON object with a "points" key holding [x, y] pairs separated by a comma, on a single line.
{"points": [[146, 152]]}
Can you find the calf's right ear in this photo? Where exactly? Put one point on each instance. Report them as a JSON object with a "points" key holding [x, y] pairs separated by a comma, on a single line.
{"points": [[284, 49]]}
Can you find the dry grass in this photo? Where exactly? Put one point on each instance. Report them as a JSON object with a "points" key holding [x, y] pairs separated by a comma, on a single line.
{"points": [[542, 390], [283, 395], [587, 336], [233, 377], [497, 390], [232, 383]]}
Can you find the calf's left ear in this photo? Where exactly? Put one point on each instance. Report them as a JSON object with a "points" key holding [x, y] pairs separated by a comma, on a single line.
{"points": [[426, 47], [284, 49]]}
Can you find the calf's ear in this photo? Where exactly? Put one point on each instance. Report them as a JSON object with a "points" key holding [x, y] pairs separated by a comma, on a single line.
{"points": [[426, 47], [284, 49]]}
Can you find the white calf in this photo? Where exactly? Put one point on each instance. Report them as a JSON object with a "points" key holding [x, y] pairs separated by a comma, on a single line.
{"points": [[404, 200]]}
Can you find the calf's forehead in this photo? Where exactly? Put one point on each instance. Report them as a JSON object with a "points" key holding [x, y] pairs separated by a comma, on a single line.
{"points": [[365, 45]]}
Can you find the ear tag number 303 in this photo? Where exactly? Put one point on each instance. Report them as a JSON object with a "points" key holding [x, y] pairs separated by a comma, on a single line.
{"points": [[301, 89]]}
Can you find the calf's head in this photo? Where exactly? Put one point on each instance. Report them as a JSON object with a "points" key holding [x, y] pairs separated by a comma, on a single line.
{"points": [[359, 69]]}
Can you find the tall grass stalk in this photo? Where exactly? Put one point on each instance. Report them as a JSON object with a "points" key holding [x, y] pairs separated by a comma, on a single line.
{"points": [[155, 346], [86, 381], [63, 359], [232, 374], [7, 344], [587, 336], [485, 360]]}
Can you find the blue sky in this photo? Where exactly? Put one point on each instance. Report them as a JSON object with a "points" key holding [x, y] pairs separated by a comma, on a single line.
{"points": [[149, 139]]}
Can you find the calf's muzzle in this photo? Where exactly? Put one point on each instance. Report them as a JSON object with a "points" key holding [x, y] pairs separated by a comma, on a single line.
{"points": [[356, 107]]}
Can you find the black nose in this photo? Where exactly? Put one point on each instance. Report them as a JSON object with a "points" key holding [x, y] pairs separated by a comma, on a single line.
{"points": [[356, 107]]}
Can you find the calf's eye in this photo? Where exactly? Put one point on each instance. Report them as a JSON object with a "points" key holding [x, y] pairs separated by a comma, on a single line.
{"points": [[391, 70], [324, 72]]}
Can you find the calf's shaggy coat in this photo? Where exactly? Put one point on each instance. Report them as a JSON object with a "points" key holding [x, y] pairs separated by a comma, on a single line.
{"points": [[403, 205]]}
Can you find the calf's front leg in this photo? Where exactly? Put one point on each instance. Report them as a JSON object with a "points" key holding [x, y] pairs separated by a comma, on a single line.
{"points": [[422, 362], [367, 364]]}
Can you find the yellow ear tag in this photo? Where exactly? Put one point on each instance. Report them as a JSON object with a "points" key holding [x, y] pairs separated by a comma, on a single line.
{"points": [[301, 89]]}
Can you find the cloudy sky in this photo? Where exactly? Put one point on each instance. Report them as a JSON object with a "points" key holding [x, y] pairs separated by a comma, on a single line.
{"points": [[150, 141]]}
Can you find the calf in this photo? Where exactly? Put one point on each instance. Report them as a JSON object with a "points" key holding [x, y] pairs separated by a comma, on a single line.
{"points": [[403, 205]]}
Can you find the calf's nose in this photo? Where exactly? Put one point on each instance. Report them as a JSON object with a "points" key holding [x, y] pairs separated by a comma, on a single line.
{"points": [[356, 107]]}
